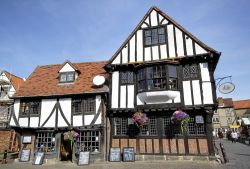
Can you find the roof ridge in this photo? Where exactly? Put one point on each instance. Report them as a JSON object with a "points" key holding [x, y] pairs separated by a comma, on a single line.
{"points": [[58, 64]]}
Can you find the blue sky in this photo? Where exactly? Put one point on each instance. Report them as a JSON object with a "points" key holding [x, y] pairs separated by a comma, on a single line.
{"points": [[40, 32]]}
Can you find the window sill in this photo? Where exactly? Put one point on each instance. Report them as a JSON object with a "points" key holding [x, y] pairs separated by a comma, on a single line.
{"points": [[156, 97]]}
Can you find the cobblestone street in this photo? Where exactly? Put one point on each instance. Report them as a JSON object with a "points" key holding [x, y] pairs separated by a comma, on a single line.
{"points": [[237, 153]]}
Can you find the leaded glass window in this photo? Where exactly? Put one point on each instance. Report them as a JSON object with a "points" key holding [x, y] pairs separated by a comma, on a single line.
{"points": [[157, 78], [89, 141], [127, 77], [45, 142], [154, 36], [190, 71]]}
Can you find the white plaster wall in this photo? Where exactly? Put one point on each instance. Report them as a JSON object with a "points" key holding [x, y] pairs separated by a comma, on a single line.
{"points": [[139, 46], [46, 108], [66, 108], [165, 21], [171, 41], [153, 17], [132, 49], [125, 54], [12, 91], [199, 49], [138, 101], [66, 68], [207, 93], [189, 46], [88, 119], [123, 96], [34, 122], [147, 54], [179, 42], [4, 77], [77, 120], [187, 93], [16, 112], [164, 54], [117, 59], [155, 52], [196, 92], [115, 85], [130, 96], [23, 122], [178, 98], [98, 104], [204, 72], [147, 20]]}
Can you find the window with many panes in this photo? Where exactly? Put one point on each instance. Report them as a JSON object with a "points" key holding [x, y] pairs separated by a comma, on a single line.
{"points": [[67, 77], [170, 129], [122, 127], [150, 128], [216, 120], [30, 108], [154, 36], [127, 77], [89, 141], [194, 128], [45, 142], [157, 78], [190, 71], [83, 105]]}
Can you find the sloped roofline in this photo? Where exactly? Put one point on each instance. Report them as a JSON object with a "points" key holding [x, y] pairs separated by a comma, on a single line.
{"points": [[19, 79], [67, 61], [173, 22]]}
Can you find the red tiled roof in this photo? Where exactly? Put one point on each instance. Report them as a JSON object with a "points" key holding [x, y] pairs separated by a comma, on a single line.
{"points": [[227, 102], [44, 81], [15, 80], [242, 104]]}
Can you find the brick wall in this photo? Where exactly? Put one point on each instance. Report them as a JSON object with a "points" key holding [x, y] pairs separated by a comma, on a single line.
{"points": [[5, 137]]}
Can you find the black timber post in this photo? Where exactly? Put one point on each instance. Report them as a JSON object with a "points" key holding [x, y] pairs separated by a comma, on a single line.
{"points": [[209, 128]]}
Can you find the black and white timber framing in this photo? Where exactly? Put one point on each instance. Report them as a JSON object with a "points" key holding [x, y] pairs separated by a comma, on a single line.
{"points": [[195, 95]]}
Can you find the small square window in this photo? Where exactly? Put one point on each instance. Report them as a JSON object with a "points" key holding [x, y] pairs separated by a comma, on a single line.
{"points": [[154, 36], [67, 77], [63, 78]]}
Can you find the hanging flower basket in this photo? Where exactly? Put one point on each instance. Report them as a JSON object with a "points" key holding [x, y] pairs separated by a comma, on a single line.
{"points": [[181, 118], [139, 119], [71, 135]]}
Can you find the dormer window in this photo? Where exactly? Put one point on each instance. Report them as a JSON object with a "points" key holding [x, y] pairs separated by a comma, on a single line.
{"points": [[67, 77], [154, 36]]}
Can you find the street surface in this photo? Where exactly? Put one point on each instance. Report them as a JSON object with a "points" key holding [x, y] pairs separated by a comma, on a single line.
{"points": [[238, 154]]}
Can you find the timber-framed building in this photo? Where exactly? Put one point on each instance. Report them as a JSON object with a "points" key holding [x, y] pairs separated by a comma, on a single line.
{"points": [[161, 68]]}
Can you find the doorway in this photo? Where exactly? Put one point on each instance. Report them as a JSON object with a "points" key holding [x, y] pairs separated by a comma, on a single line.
{"points": [[65, 149]]}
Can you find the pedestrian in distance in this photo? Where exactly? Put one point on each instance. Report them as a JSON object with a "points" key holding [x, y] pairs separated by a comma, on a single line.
{"points": [[234, 136]]}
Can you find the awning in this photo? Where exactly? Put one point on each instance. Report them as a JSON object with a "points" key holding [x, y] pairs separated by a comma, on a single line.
{"points": [[246, 121], [234, 126]]}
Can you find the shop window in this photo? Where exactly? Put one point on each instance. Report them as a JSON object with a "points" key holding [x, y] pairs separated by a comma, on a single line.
{"points": [[157, 78], [150, 128], [89, 141], [30, 108], [170, 129], [120, 126], [85, 106], [194, 128], [45, 142]]}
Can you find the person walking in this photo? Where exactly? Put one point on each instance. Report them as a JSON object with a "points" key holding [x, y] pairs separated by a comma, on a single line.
{"points": [[234, 136]]}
